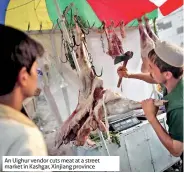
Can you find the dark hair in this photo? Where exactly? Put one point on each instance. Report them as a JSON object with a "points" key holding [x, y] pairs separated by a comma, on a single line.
{"points": [[17, 50], [163, 66]]}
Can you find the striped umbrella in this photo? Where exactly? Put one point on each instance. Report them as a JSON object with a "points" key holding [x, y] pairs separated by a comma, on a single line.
{"points": [[42, 14]]}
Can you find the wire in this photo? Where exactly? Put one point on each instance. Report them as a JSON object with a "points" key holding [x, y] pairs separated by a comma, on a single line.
{"points": [[19, 6]]}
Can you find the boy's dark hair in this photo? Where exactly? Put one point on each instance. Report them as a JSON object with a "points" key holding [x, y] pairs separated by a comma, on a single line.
{"points": [[17, 50], [163, 66]]}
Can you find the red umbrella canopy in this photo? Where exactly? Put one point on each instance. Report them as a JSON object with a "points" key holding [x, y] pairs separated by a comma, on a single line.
{"points": [[170, 5], [127, 10], [42, 14], [118, 10]]}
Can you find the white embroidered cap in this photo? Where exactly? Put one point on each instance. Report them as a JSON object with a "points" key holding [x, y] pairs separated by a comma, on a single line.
{"points": [[169, 53]]}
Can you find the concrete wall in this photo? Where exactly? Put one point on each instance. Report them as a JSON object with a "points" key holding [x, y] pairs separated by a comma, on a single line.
{"points": [[171, 33]]}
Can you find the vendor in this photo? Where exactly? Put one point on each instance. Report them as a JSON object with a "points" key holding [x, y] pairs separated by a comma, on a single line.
{"points": [[19, 135], [165, 68]]}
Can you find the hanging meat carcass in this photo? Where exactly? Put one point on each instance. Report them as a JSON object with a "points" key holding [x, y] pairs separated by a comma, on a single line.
{"points": [[94, 104], [154, 37], [147, 44], [122, 29], [114, 43]]}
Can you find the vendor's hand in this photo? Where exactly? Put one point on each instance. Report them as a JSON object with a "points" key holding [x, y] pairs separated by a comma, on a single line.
{"points": [[122, 72], [150, 109]]}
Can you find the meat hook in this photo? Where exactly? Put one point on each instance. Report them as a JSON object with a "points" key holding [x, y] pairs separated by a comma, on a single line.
{"points": [[82, 27], [94, 71], [74, 41]]}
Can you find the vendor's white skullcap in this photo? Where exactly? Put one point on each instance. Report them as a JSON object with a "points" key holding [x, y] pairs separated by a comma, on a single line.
{"points": [[169, 53]]}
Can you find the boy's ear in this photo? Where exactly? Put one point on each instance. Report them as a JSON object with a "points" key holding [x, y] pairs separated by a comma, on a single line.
{"points": [[22, 77]]}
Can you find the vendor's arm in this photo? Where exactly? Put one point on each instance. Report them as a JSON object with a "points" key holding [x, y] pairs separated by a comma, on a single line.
{"points": [[173, 142], [142, 76], [175, 147], [122, 72]]}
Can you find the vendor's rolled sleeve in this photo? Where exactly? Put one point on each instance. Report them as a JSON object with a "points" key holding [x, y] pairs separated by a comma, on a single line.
{"points": [[175, 123]]}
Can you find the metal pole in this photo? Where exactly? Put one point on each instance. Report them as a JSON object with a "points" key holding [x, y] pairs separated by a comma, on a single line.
{"points": [[104, 145]]}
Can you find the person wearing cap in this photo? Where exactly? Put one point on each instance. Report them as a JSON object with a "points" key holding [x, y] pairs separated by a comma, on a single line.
{"points": [[166, 68], [19, 135]]}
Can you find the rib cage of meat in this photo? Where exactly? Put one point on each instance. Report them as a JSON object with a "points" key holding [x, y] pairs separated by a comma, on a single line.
{"points": [[114, 43]]}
